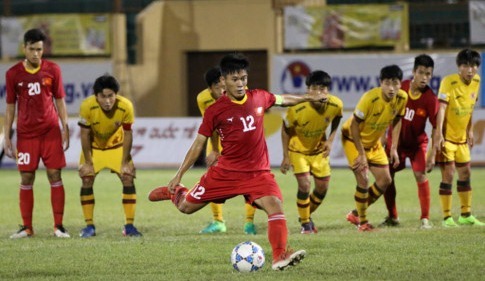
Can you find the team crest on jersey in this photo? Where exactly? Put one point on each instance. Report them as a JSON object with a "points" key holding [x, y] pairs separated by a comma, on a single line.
{"points": [[117, 124], [259, 111], [421, 112], [47, 81], [473, 96]]}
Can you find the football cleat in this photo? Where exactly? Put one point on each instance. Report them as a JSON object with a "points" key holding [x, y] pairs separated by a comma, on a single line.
{"points": [[23, 232], [389, 222], [215, 227], [130, 230], [307, 228], [159, 194], [88, 231], [250, 228], [449, 222], [366, 227], [61, 232], [470, 220], [425, 224], [288, 258], [353, 218]]}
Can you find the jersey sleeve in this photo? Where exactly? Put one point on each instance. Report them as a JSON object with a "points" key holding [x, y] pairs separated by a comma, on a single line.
{"points": [[433, 107], [207, 126], [10, 87], [270, 99], [57, 86], [362, 108], [444, 91], [200, 103], [404, 99], [129, 116], [289, 119], [84, 116]]}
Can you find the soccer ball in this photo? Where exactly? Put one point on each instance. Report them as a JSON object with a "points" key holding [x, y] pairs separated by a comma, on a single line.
{"points": [[247, 257]]}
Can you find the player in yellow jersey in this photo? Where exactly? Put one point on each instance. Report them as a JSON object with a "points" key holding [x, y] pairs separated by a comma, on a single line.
{"points": [[206, 98], [361, 138], [106, 139], [306, 147], [457, 96]]}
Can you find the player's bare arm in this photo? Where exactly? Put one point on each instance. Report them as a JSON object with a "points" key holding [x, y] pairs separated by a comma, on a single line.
{"points": [[470, 136], [439, 141], [126, 167], [360, 163], [7, 128], [293, 99], [87, 169], [189, 160], [333, 131], [62, 113], [285, 140], [396, 130], [211, 159]]}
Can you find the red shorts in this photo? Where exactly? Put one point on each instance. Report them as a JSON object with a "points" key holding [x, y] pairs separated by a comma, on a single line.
{"points": [[417, 158], [47, 147], [217, 185]]}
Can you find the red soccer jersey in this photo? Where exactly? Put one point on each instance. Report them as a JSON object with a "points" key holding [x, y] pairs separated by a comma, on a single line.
{"points": [[414, 120], [34, 93], [240, 127]]}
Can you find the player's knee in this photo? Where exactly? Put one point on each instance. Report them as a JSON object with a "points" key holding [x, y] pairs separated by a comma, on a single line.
{"points": [[87, 180]]}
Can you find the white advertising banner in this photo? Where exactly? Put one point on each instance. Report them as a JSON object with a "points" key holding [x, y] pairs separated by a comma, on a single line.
{"points": [[476, 14], [352, 75], [78, 79], [163, 142]]}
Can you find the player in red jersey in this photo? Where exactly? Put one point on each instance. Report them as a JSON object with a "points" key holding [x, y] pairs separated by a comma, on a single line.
{"points": [[35, 87], [243, 166], [422, 105]]}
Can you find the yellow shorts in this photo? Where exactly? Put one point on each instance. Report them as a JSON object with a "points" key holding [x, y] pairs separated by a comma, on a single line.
{"points": [[316, 164], [106, 159], [453, 152], [376, 156]]}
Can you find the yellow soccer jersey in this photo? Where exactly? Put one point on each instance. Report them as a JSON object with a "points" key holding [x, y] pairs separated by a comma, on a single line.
{"points": [[204, 100], [461, 99], [377, 115], [107, 130], [310, 124]]}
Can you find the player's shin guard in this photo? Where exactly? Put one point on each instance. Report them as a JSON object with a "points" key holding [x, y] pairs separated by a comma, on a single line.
{"points": [[129, 203], [57, 201], [465, 193], [303, 205], [87, 204], [361, 196], [250, 210], [374, 193], [217, 211], [424, 198], [390, 198], [316, 200], [277, 234], [445, 198], [26, 203]]}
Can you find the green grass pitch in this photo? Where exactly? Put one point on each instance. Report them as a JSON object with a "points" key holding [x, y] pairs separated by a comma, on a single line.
{"points": [[172, 249]]}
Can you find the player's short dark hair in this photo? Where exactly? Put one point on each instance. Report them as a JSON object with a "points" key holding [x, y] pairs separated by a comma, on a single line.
{"points": [[233, 63], [469, 57], [423, 60], [105, 82], [34, 35], [391, 72], [212, 76], [319, 78]]}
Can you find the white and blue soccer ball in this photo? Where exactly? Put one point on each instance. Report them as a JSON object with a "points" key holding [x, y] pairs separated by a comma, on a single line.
{"points": [[247, 257]]}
